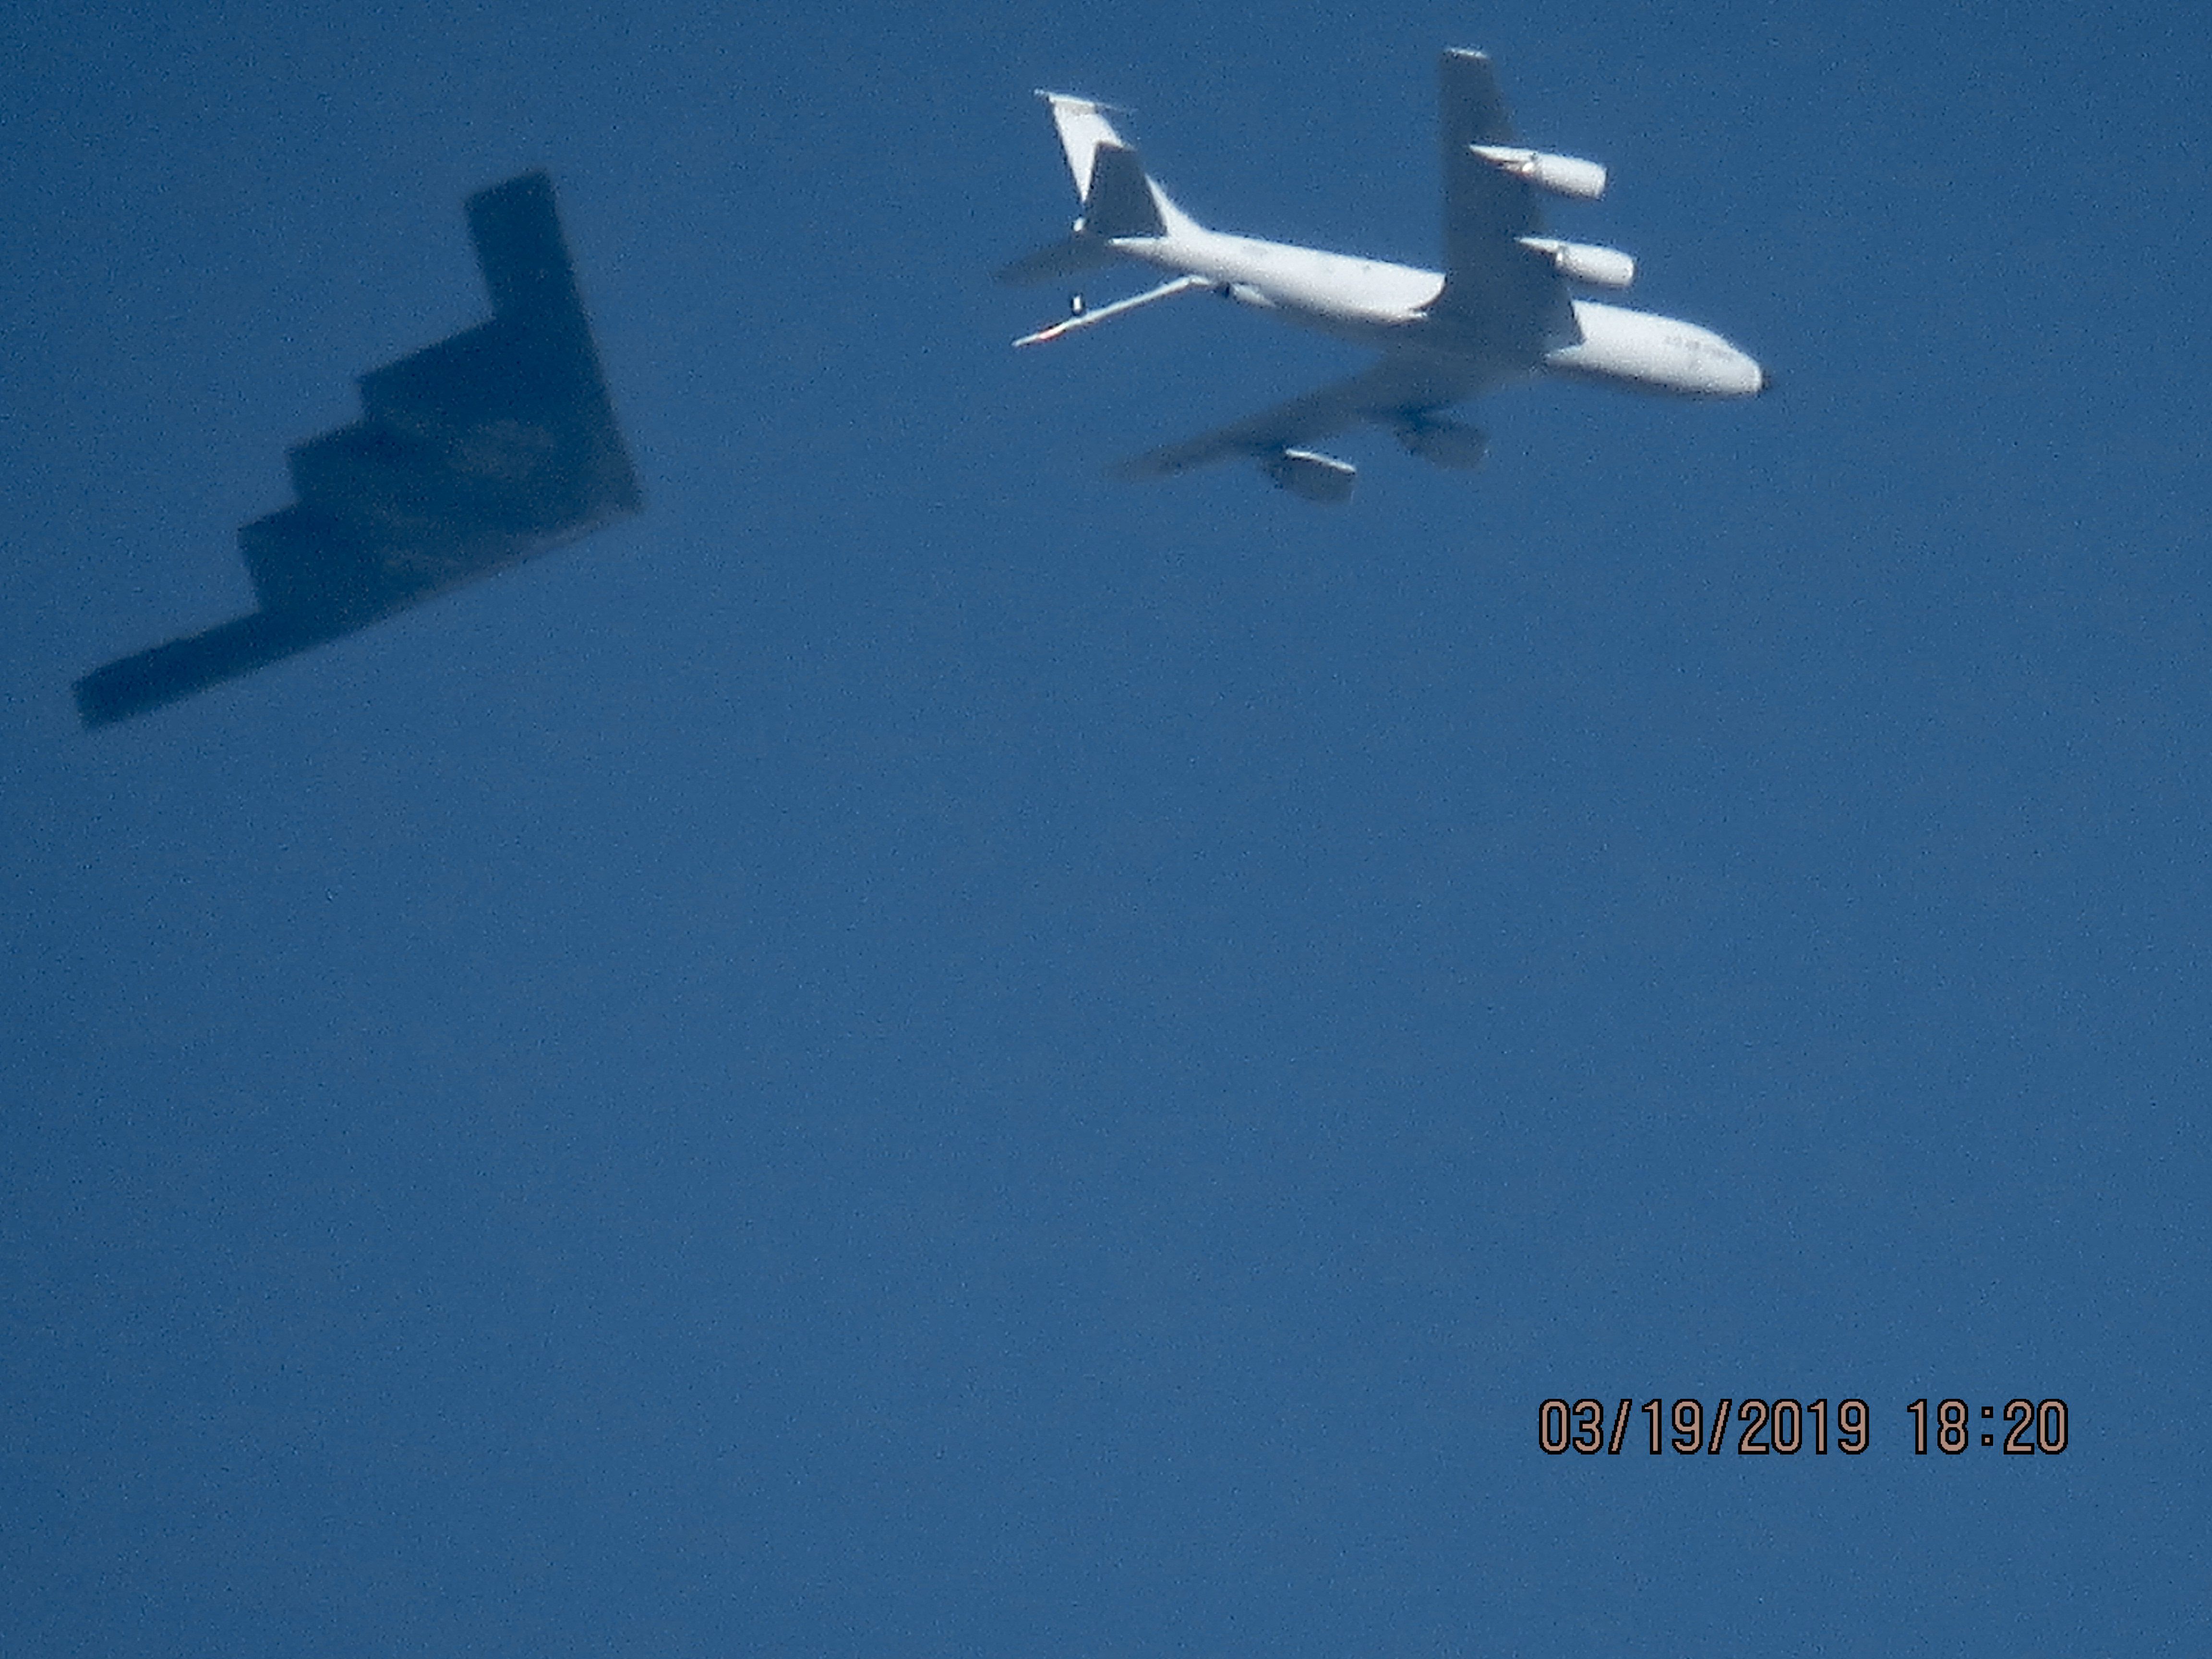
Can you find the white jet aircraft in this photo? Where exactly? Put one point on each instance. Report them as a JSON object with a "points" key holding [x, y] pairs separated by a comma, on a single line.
{"points": [[1499, 310]]}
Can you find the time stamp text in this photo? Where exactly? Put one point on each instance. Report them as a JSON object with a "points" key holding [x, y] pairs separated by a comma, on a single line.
{"points": [[1766, 1428]]}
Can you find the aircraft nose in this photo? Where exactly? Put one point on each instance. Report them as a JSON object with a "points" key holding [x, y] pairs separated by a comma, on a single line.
{"points": [[1765, 383], [1738, 374]]}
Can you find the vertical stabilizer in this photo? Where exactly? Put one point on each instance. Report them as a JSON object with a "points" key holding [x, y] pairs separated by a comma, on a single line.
{"points": [[1083, 127], [1115, 190], [1122, 202]]}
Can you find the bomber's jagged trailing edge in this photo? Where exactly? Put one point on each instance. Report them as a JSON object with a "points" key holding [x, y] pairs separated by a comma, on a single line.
{"points": [[1499, 310], [471, 455]]}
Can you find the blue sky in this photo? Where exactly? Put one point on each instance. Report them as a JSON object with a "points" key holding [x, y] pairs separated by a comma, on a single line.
{"points": [[917, 1052]]}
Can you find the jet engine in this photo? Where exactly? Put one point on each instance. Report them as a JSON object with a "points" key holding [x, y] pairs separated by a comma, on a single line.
{"points": [[1443, 443], [1563, 175], [1311, 476], [1585, 262]]}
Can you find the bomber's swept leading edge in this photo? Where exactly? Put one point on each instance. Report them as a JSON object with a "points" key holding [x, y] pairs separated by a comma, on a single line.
{"points": [[1499, 310], [471, 455]]}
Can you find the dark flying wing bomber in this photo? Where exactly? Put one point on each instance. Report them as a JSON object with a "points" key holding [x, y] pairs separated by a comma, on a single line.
{"points": [[469, 456]]}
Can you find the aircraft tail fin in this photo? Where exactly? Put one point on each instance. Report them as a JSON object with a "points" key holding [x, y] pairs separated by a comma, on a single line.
{"points": [[1119, 198], [1083, 127]]}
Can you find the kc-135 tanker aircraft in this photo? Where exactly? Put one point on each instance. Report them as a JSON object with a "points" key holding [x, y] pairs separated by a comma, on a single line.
{"points": [[1499, 310]]}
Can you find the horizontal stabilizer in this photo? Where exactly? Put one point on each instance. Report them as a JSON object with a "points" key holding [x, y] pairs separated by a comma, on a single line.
{"points": [[1443, 443], [1072, 256], [1311, 477]]}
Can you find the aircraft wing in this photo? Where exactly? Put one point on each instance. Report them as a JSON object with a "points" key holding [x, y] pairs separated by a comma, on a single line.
{"points": [[1397, 389], [471, 455], [1510, 300]]}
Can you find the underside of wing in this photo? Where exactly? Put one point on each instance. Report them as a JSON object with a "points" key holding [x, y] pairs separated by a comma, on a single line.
{"points": [[473, 454], [1398, 392], [1507, 296]]}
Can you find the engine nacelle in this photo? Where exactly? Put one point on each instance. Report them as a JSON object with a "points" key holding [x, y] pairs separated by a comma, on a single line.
{"points": [[1585, 262], [1443, 443], [1311, 476], [1563, 175]]}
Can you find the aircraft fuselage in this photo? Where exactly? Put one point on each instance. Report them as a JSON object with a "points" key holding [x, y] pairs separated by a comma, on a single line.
{"points": [[1386, 306]]}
